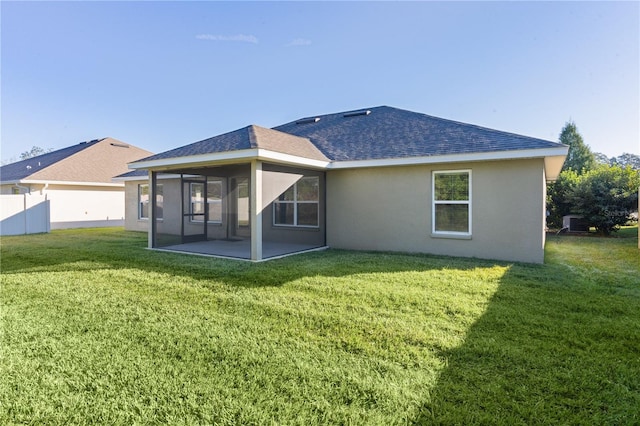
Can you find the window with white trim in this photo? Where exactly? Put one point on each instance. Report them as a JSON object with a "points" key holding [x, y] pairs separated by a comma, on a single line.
{"points": [[143, 201], [299, 205], [212, 202], [451, 212]]}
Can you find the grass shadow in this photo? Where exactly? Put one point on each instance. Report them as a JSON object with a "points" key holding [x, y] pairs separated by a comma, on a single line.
{"points": [[549, 351]]}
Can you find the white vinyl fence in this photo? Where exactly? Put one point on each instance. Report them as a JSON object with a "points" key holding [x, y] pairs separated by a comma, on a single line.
{"points": [[24, 214]]}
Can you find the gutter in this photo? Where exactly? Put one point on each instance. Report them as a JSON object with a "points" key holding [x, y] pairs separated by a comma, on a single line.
{"points": [[26, 188]]}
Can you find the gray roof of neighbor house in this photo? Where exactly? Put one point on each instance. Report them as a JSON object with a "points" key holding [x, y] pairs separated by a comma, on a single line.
{"points": [[384, 132], [96, 161], [249, 137], [21, 169]]}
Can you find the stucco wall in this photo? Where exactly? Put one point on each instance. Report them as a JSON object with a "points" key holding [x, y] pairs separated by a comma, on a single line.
{"points": [[390, 209], [80, 206], [131, 221], [295, 235]]}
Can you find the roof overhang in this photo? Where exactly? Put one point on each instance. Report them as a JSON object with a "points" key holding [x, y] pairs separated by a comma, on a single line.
{"points": [[553, 157], [230, 157], [146, 177], [553, 160]]}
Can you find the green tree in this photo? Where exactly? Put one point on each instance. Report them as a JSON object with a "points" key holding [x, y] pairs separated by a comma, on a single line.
{"points": [[33, 152], [601, 159], [606, 196], [558, 192], [580, 158], [627, 159]]}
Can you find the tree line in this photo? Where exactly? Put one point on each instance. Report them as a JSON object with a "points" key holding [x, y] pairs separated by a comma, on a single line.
{"points": [[604, 191]]}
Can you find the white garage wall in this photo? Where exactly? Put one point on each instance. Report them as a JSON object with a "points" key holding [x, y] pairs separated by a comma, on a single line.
{"points": [[82, 207]]}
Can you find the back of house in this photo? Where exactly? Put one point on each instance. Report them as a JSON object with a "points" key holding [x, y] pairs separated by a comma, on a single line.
{"points": [[379, 178]]}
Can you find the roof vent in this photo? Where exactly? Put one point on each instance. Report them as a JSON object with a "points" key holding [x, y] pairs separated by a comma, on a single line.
{"points": [[120, 145], [357, 113], [308, 120]]}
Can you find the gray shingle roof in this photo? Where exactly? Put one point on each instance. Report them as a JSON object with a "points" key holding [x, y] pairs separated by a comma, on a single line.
{"points": [[22, 169], [141, 173], [387, 132], [246, 138], [370, 134]]}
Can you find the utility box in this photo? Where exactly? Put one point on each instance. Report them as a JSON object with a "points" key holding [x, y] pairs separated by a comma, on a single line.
{"points": [[575, 223]]}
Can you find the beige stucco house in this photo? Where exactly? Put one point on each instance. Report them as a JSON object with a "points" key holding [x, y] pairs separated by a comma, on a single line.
{"points": [[375, 179], [77, 183]]}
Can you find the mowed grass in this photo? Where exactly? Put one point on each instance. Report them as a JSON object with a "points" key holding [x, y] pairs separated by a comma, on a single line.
{"points": [[98, 330]]}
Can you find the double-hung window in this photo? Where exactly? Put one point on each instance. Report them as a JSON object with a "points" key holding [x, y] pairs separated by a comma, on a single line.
{"points": [[451, 214], [143, 201], [212, 201], [298, 205]]}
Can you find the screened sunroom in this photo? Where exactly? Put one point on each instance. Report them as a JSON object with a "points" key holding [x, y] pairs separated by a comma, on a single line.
{"points": [[236, 204]]}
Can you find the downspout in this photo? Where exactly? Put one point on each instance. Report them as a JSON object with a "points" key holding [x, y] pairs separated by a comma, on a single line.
{"points": [[26, 188]]}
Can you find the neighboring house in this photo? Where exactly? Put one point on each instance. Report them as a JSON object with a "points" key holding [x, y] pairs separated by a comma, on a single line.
{"points": [[77, 182], [381, 179]]}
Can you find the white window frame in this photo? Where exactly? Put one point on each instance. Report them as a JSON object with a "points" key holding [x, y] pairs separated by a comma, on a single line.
{"points": [[148, 202], [295, 202], [205, 201], [434, 203]]}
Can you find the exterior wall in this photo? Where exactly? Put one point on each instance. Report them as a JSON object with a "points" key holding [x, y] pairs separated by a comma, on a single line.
{"points": [[80, 206], [85, 206], [170, 223], [294, 235], [131, 221], [390, 209]]}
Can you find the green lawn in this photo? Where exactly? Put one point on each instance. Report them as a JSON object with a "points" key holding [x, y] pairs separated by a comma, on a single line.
{"points": [[95, 329]]}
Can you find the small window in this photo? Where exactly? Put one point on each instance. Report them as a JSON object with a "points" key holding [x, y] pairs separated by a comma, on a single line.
{"points": [[298, 205], [451, 212], [212, 202], [143, 201]]}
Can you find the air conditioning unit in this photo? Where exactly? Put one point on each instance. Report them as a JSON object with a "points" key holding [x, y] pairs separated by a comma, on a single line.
{"points": [[575, 223]]}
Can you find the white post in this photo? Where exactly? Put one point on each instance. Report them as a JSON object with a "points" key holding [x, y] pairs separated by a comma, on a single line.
{"points": [[256, 210], [152, 220]]}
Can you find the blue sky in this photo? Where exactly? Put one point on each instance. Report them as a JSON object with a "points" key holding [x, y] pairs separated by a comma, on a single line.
{"points": [[164, 74]]}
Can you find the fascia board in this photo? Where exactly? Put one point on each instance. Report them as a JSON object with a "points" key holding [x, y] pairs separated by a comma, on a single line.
{"points": [[146, 178], [279, 157], [453, 158], [195, 160], [227, 158]]}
